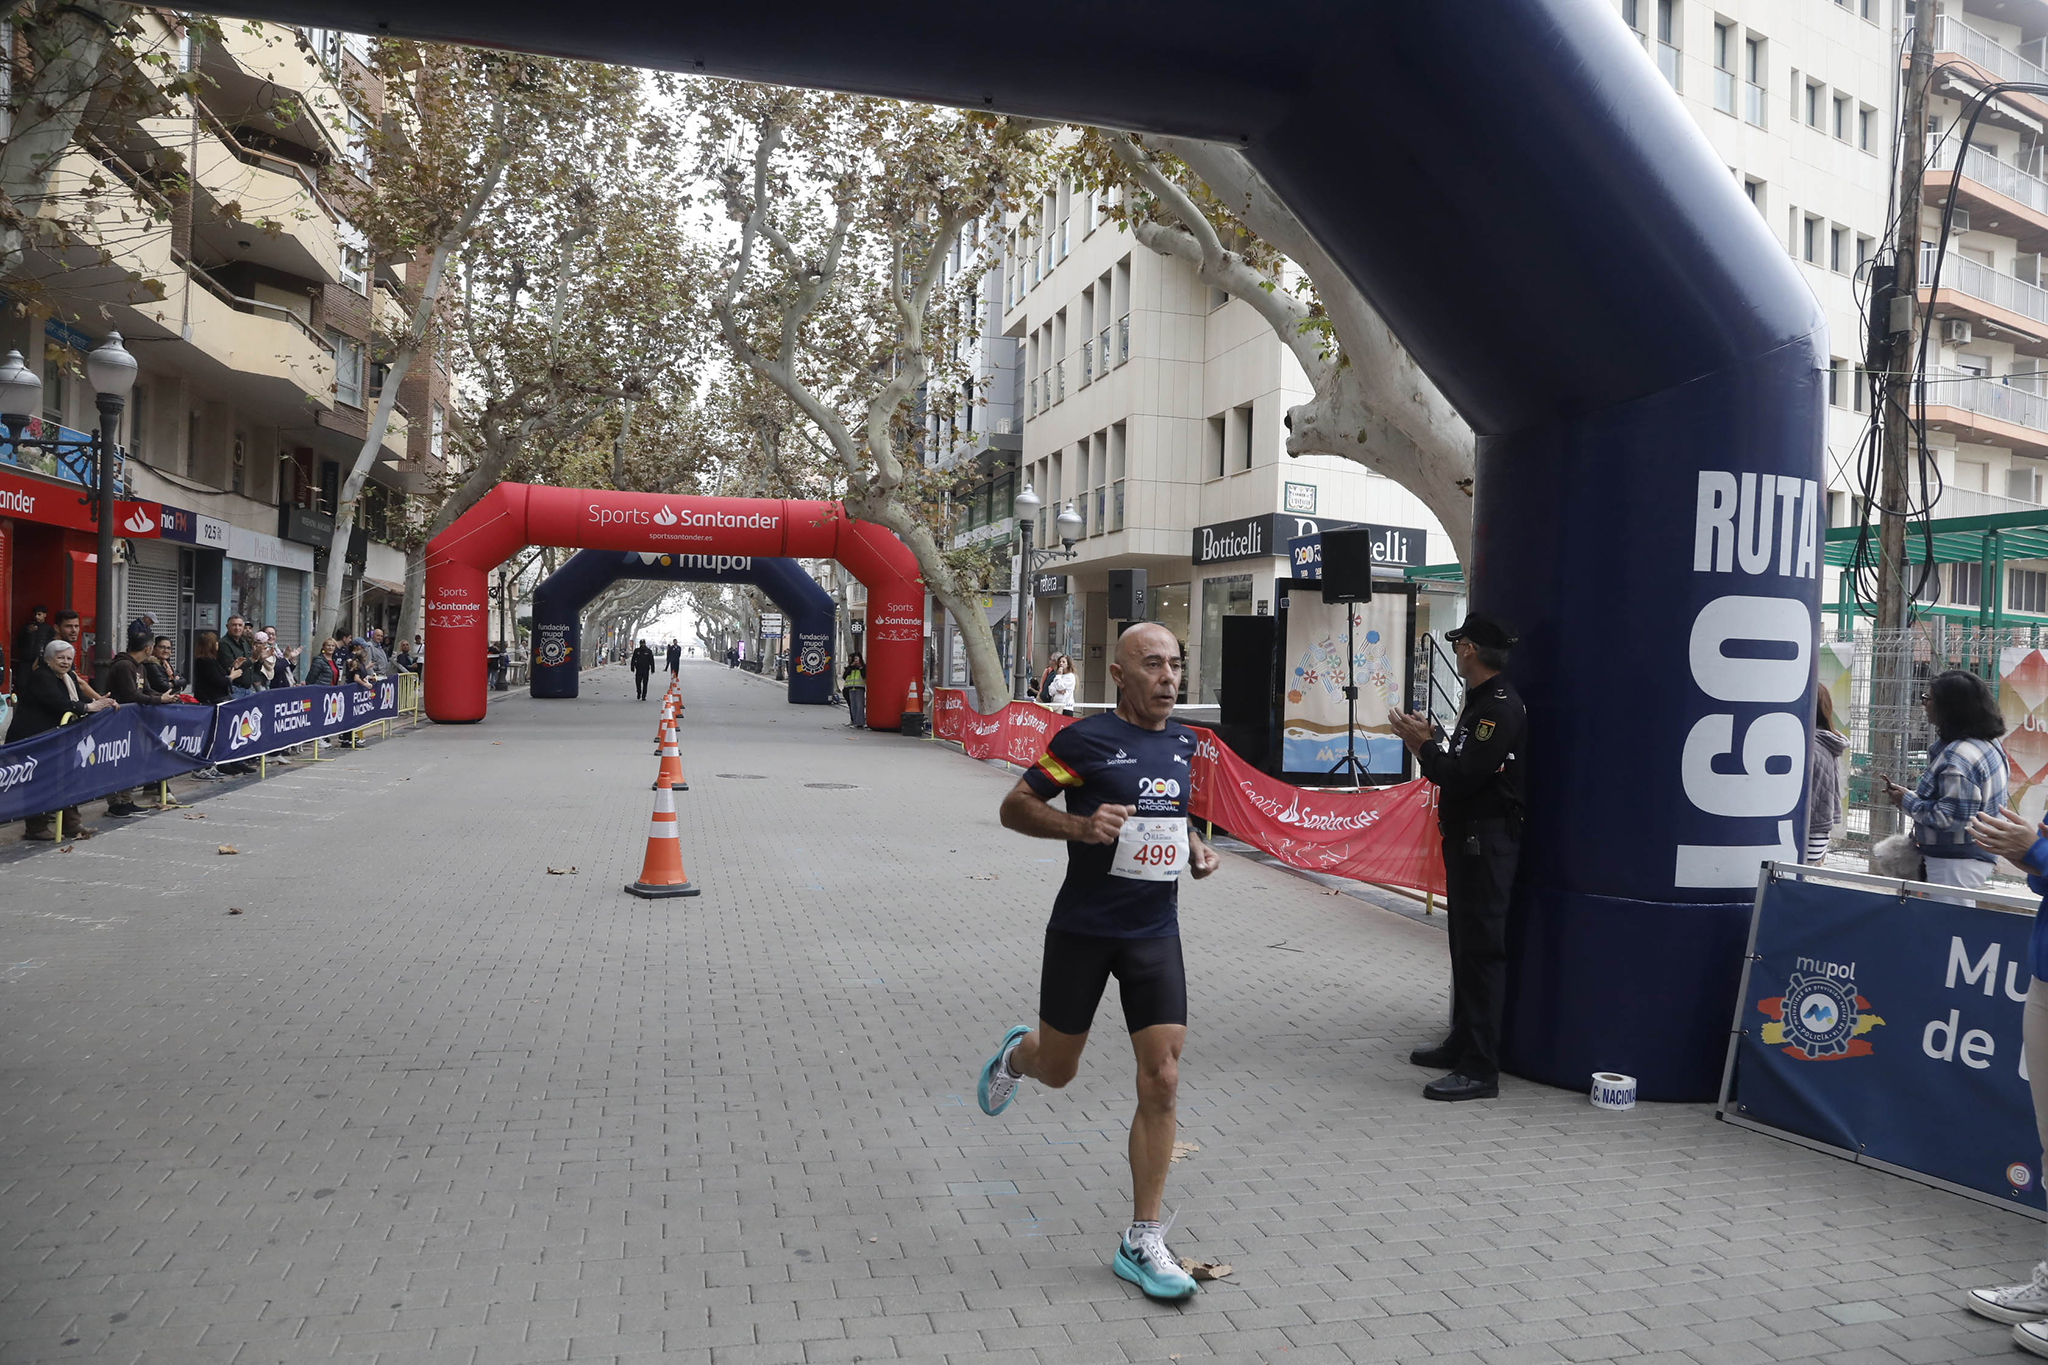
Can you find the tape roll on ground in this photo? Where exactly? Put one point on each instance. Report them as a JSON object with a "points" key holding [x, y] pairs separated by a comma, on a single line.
{"points": [[1612, 1090]]}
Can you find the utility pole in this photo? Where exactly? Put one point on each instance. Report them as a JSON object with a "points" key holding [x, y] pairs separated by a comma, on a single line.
{"points": [[1894, 355]]}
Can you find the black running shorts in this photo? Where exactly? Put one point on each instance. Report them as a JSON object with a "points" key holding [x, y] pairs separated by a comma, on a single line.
{"points": [[1148, 971]]}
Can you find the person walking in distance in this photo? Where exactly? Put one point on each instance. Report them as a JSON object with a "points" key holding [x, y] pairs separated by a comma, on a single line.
{"points": [[675, 658], [1126, 778], [643, 669], [1479, 815]]}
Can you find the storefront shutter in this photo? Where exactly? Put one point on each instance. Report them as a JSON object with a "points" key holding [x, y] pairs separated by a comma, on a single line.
{"points": [[152, 588]]}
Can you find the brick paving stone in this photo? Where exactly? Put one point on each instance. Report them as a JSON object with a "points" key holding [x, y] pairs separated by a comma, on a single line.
{"points": [[423, 1101]]}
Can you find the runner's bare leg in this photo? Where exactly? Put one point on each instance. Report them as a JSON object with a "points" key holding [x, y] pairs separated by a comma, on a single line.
{"points": [[1048, 1056], [1153, 1127]]}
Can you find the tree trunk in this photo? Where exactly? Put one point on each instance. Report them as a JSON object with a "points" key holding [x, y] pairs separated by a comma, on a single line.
{"points": [[358, 475]]}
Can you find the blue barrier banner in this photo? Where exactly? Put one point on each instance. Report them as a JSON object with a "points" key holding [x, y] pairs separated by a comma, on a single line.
{"points": [[105, 752], [264, 722], [1891, 1028]]}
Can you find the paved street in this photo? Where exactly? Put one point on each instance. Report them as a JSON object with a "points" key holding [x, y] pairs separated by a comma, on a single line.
{"points": [[423, 1101]]}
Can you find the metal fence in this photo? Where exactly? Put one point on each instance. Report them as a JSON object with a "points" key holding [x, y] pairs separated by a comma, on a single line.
{"points": [[1890, 733]]}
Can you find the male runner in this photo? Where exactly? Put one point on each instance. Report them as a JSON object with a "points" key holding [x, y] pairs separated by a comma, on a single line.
{"points": [[1126, 825]]}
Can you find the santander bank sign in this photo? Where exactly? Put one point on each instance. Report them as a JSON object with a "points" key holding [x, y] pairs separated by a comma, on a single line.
{"points": [[665, 517]]}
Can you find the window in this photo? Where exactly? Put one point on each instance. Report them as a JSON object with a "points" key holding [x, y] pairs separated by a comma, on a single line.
{"points": [[1809, 240], [1754, 188], [355, 257], [1215, 455], [1813, 101], [1842, 117], [355, 143], [1724, 67], [1862, 393], [1667, 40], [1838, 250], [138, 421], [1244, 437], [2027, 590], [1217, 298], [1965, 585], [1866, 119], [437, 432], [1838, 382], [2023, 483], [1632, 15], [348, 369], [1866, 247], [1754, 68]]}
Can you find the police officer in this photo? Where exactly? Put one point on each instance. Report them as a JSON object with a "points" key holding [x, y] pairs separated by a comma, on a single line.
{"points": [[1479, 813]]}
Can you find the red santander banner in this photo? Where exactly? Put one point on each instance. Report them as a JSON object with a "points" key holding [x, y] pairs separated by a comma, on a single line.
{"points": [[1383, 834]]}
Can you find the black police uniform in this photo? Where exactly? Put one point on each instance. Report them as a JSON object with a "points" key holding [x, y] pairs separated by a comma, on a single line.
{"points": [[1479, 813]]}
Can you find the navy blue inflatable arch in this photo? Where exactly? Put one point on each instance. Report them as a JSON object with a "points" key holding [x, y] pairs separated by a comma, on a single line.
{"points": [[559, 601], [1528, 205]]}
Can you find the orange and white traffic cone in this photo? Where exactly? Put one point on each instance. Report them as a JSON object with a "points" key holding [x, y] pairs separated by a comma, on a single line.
{"points": [[661, 719], [661, 874], [671, 773]]}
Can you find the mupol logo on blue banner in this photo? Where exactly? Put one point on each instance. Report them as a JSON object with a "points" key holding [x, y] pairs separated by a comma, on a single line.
{"points": [[92, 752], [193, 744]]}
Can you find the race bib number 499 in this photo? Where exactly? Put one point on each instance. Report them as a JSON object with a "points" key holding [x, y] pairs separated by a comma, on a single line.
{"points": [[1151, 849]]}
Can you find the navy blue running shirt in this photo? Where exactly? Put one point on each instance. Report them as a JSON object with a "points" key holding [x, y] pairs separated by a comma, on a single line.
{"points": [[1107, 761]]}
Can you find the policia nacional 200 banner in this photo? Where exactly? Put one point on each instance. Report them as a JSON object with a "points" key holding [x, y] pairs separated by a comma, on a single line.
{"points": [[132, 746]]}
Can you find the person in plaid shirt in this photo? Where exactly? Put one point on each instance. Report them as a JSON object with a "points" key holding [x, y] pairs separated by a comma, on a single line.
{"points": [[1965, 776]]}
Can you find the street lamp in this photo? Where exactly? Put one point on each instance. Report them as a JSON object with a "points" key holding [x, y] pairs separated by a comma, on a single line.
{"points": [[111, 371], [1026, 506]]}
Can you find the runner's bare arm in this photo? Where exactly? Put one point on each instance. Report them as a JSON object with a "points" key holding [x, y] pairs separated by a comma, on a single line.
{"points": [[1202, 859], [1025, 811]]}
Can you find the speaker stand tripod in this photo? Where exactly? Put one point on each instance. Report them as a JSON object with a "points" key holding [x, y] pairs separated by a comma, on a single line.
{"points": [[1350, 764]]}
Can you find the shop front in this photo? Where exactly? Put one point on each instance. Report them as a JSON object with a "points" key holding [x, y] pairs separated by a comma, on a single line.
{"points": [[49, 552], [268, 581]]}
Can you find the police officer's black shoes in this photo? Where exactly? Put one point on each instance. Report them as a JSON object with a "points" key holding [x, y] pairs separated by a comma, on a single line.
{"points": [[1460, 1087], [1435, 1058]]}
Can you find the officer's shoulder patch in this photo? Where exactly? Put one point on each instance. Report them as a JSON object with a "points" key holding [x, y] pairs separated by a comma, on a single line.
{"points": [[1484, 730]]}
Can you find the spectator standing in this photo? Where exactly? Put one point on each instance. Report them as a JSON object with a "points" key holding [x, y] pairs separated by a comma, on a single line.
{"points": [[51, 695], [323, 672], [643, 669], [494, 659], [1059, 691], [1824, 779], [1966, 775], [373, 649], [35, 633], [71, 630], [160, 669], [214, 683], [406, 661], [128, 685], [235, 647]]}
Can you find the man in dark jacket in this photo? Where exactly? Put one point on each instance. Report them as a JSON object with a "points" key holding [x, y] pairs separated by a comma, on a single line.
{"points": [[29, 641], [1479, 814], [643, 668], [128, 685], [675, 658]]}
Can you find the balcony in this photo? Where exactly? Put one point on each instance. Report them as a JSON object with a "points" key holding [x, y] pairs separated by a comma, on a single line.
{"points": [[1968, 502], [1724, 91], [1992, 190], [1667, 63], [1755, 100], [2011, 412], [1978, 291], [1997, 62], [264, 187], [259, 343]]}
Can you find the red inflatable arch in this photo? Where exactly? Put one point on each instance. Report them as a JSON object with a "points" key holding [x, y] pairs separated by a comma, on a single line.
{"points": [[515, 515]]}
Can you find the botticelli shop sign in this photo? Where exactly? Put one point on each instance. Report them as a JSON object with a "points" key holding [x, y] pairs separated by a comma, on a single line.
{"points": [[1257, 537]]}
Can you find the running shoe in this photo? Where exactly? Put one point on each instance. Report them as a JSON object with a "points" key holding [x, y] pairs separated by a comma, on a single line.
{"points": [[997, 1087], [1146, 1263], [2014, 1302]]}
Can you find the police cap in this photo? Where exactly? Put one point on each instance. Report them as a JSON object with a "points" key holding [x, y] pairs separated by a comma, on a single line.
{"points": [[1488, 632]]}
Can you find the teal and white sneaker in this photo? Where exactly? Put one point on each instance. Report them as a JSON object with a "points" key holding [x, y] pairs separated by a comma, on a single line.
{"points": [[1142, 1258], [998, 1085]]}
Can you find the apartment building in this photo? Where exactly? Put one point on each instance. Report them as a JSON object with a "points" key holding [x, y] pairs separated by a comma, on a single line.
{"points": [[1154, 406], [249, 302], [1803, 102]]}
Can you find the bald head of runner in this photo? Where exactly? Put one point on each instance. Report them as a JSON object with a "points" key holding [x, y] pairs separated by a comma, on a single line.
{"points": [[1146, 672]]}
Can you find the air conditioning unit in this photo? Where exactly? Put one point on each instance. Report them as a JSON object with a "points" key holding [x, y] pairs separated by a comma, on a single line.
{"points": [[1957, 330], [1960, 221]]}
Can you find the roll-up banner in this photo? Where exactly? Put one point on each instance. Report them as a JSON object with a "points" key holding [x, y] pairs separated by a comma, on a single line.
{"points": [[1884, 1025], [264, 722], [99, 754]]}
